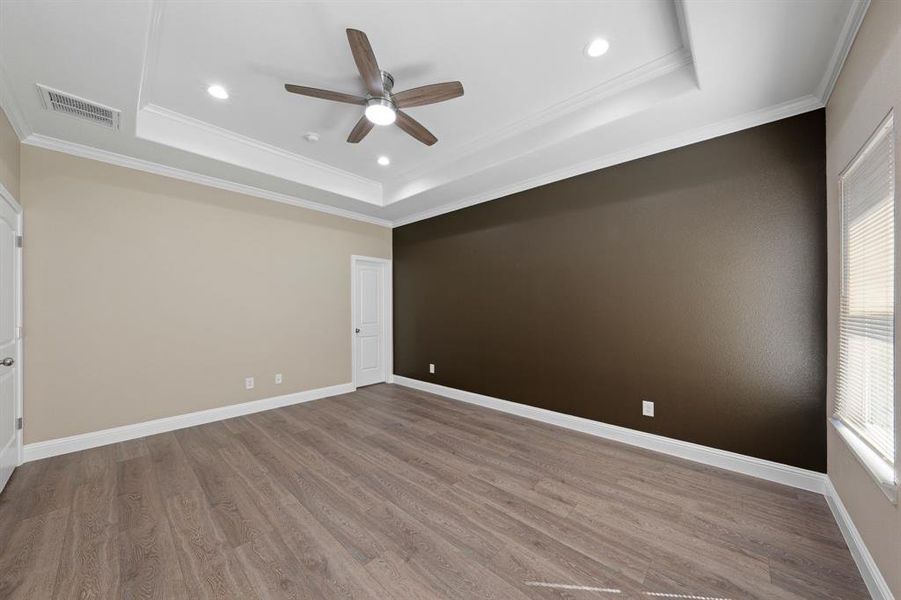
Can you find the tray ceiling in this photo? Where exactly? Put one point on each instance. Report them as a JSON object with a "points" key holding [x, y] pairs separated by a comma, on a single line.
{"points": [[536, 107]]}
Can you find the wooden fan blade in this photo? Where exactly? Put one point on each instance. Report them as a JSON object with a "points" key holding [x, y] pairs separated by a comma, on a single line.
{"points": [[360, 130], [414, 128], [365, 59], [429, 94], [325, 94]]}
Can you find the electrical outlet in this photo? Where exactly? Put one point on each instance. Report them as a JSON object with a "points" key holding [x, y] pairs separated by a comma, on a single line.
{"points": [[248, 383], [278, 378], [647, 408], [431, 368]]}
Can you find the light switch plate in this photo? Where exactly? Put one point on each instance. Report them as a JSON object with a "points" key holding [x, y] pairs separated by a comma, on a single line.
{"points": [[647, 408], [431, 368]]}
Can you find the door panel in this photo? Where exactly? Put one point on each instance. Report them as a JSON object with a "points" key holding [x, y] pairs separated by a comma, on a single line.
{"points": [[369, 294], [369, 322], [369, 353], [9, 297]]}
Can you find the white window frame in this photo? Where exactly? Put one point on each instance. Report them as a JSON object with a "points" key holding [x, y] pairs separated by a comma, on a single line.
{"points": [[882, 471]]}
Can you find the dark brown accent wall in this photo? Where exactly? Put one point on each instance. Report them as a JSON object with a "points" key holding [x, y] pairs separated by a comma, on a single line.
{"points": [[695, 278]]}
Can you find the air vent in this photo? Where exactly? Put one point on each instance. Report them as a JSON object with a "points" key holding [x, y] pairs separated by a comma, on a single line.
{"points": [[60, 102]]}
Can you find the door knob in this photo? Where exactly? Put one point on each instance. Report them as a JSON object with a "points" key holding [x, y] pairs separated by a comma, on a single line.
{"points": [[357, 330], [8, 361]]}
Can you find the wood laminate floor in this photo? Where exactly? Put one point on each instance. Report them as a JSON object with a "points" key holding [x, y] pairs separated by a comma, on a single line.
{"points": [[389, 493]]}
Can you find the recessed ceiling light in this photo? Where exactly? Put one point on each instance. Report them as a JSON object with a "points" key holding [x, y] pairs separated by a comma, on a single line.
{"points": [[597, 47], [384, 161], [217, 91], [380, 111], [311, 136]]}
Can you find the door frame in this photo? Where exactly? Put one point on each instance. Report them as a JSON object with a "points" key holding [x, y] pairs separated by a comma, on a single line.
{"points": [[7, 197], [387, 320]]}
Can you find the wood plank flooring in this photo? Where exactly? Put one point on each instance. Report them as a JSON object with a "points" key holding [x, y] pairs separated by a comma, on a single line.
{"points": [[388, 493]]}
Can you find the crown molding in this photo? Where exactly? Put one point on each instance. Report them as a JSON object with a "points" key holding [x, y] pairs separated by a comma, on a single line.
{"points": [[659, 67], [120, 160], [842, 48], [699, 134], [169, 128], [746, 121], [187, 121]]}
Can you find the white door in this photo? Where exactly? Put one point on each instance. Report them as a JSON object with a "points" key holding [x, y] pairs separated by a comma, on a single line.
{"points": [[369, 320], [9, 343]]}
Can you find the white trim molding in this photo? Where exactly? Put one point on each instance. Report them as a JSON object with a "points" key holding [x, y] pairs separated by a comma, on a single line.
{"points": [[842, 48], [387, 316], [739, 463], [169, 128], [691, 136], [120, 160], [6, 195], [93, 439], [19, 411], [882, 472], [591, 98], [870, 573]]}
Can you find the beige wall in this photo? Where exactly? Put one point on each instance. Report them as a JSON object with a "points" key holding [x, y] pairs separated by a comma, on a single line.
{"points": [[9, 156], [147, 297], [868, 87]]}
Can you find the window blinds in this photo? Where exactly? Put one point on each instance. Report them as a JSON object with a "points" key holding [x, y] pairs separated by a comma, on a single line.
{"points": [[865, 391]]}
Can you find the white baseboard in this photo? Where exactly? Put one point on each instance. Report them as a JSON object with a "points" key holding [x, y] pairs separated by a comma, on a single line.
{"points": [[83, 441], [755, 467], [747, 465], [870, 573]]}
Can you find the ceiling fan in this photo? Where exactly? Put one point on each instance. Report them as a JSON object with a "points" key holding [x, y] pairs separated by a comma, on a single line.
{"points": [[382, 104]]}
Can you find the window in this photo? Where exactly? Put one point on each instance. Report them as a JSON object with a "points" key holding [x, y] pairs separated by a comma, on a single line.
{"points": [[866, 378]]}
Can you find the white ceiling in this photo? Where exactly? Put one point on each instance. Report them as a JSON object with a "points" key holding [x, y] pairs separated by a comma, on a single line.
{"points": [[536, 109]]}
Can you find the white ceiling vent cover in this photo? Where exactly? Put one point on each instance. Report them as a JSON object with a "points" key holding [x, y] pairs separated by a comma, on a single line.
{"points": [[61, 102]]}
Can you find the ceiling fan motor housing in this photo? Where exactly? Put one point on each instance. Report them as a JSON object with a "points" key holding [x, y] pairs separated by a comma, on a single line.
{"points": [[387, 82]]}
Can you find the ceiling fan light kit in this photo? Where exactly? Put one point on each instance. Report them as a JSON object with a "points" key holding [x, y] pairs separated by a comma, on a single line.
{"points": [[381, 111], [382, 106]]}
